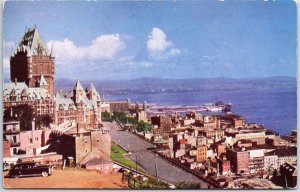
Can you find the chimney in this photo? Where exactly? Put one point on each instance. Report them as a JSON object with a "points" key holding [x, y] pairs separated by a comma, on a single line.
{"points": [[33, 124]]}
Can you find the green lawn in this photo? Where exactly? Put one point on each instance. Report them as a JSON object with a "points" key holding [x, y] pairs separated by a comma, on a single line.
{"points": [[117, 154]]}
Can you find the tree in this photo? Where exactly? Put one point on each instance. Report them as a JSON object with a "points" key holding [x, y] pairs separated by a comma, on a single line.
{"points": [[23, 113], [105, 116], [143, 127], [188, 185], [43, 120]]}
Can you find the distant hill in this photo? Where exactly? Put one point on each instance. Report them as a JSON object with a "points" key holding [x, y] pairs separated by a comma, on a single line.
{"points": [[157, 85]]}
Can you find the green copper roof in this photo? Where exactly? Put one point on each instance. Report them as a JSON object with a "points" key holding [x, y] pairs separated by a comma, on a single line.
{"points": [[32, 43]]}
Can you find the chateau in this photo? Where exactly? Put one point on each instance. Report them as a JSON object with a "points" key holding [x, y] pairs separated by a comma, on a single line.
{"points": [[32, 71], [32, 62]]}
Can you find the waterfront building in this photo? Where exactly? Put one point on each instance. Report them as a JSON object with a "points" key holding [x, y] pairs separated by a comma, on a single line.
{"points": [[256, 135], [211, 133], [119, 106]]}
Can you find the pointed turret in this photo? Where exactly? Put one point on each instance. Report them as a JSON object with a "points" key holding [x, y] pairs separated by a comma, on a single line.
{"points": [[92, 93], [51, 51], [78, 92], [43, 81], [57, 96]]}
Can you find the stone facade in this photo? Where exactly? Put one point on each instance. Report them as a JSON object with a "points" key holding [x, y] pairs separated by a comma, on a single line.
{"points": [[36, 97], [83, 106]]}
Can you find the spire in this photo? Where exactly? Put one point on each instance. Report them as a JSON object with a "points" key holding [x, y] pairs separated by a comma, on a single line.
{"points": [[31, 41], [57, 96], [92, 93], [92, 88], [51, 51], [78, 86], [43, 82]]}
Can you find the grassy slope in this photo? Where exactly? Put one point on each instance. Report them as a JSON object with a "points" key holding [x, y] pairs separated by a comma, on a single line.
{"points": [[117, 154]]}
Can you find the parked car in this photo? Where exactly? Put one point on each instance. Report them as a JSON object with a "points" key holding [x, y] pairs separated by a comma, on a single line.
{"points": [[30, 169], [6, 166]]}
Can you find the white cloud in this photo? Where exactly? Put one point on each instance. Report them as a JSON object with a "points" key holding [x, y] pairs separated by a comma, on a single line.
{"points": [[159, 48], [104, 47], [157, 40], [7, 48]]}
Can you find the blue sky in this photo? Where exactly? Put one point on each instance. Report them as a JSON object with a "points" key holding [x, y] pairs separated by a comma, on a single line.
{"points": [[126, 40]]}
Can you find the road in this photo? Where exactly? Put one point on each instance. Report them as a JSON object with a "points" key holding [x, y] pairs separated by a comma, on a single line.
{"points": [[146, 159]]}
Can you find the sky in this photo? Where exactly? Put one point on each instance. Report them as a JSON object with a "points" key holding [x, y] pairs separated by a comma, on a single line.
{"points": [[173, 39]]}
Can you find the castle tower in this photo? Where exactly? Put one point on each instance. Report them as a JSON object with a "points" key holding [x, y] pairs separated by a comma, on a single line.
{"points": [[92, 93], [78, 92], [31, 59]]}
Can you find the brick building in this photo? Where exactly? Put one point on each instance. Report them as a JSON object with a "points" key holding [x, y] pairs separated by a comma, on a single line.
{"points": [[31, 62], [163, 122], [239, 159], [224, 166]]}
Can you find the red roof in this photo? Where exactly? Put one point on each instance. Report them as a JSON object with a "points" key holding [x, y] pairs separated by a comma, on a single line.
{"points": [[182, 141]]}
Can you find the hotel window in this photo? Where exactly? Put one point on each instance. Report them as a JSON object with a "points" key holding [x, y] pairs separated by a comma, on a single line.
{"points": [[30, 140]]}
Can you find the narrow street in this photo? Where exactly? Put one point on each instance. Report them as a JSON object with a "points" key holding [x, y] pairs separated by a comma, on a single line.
{"points": [[150, 162]]}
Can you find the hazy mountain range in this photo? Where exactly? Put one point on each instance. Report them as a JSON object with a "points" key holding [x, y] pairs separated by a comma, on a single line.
{"points": [[157, 85]]}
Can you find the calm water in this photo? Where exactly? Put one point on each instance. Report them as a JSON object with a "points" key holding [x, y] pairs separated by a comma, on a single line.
{"points": [[276, 109]]}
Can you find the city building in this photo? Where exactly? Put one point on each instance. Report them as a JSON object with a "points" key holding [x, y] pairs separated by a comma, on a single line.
{"points": [[211, 133], [239, 159], [288, 174], [256, 160], [256, 135], [100, 164], [33, 139], [224, 165], [11, 138], [285, 155], [201, 153], [270, 162], [83, 145]]}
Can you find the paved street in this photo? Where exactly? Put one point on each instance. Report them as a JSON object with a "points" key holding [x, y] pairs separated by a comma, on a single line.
{"points": [[147, 159]]}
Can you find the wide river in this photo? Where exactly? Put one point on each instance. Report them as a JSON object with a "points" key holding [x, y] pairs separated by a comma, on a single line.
{"points": [[275, 108]]}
